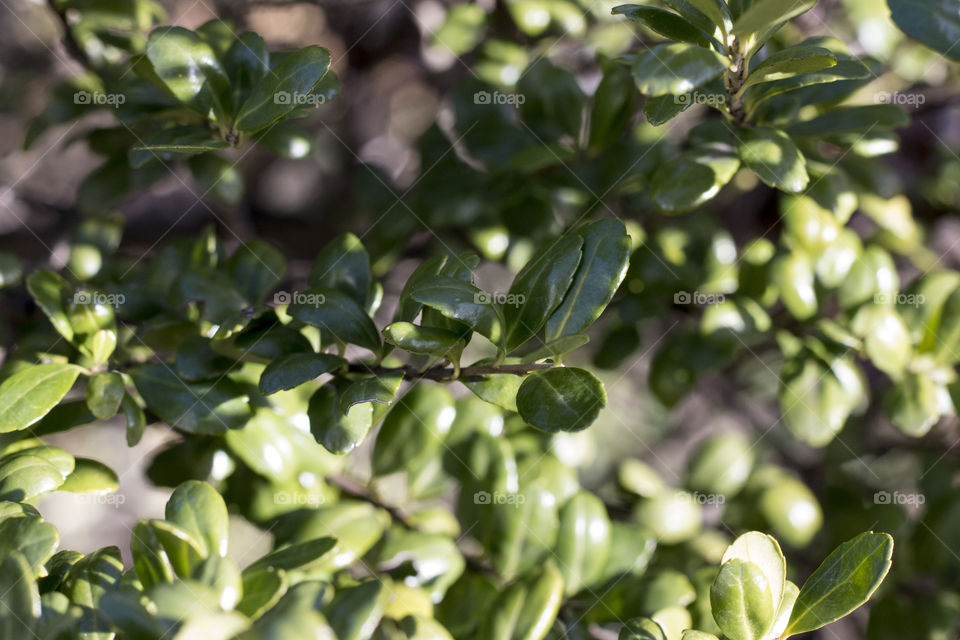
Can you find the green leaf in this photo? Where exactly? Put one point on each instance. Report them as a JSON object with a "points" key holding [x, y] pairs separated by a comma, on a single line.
{"points": [[345, 266], [673, 69], [136, 419], [721, 464], [256, 268], [283, 88], [30, 536], [428, 341], [413, 429], [764, 552], [262, 588], [19, 598], [90, 476], [105, 392], [613, 106], [855, 120], [407, 307], [246, 63], [355, 611], [49, 291], [606, 254], [31, 393], [458, 300], [375, 389], [641, 629], [23, 477], [935, 23], [197, 508], [150, 562], [741, 601], [666, 23], [561, 399], [201, 407], [337, 430], [185, 552], [912, 404], [339, 314], [764, 14], [499, 389], [790, 62], [843, 582], [88, 580], [302, 556], [526, 609], [539, 288], [693, 179], [294, 369], [583, 541], [189, 68], [774, 158], [185, 140]]}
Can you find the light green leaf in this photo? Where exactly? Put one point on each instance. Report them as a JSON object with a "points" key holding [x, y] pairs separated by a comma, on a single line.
{"points": [[197, 508], [105, 392], [338, 431], [843, 582], [741, 601], [262, 588], [764, 552], [583, 541], [301, 556], [774, 158], [49, 291], [19, 598], [90, 476], [30, 536], [642, 629], [693, 178], [31, 393], [413, 429]]}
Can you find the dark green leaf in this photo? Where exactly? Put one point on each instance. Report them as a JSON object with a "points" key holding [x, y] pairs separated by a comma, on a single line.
{"points": [[345, 266], [201, 407], [561, 399], [666, 23], [338, 314], [284, 88], [673, 69], [338, 431], [458, 300], [294, 369], [935, 23]]}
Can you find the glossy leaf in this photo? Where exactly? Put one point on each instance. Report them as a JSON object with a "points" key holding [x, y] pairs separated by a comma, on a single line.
{"points": [[343, 264], [201, 407], [190, 70], [281, 90], [337, 313], [774, 158], [674, 69], [843, 582], [292, 370], [741, 601], [458, 300], [29, 394], [339, 431], [198, 509], [935, 23], [561, 399]]}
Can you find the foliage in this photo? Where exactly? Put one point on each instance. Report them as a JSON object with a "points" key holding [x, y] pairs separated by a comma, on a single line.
{"points": [[414, 441]]}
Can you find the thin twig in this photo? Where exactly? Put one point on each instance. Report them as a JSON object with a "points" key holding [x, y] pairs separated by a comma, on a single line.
{"points": [[445, 373]]}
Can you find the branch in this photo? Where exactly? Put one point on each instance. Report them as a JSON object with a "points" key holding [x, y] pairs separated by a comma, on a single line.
{"points": [[445, 374]]}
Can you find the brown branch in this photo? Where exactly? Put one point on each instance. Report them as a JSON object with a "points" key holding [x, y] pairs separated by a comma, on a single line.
{"points": [[441, 373]]}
